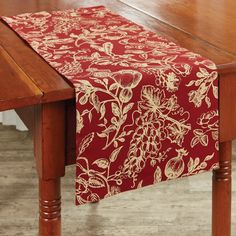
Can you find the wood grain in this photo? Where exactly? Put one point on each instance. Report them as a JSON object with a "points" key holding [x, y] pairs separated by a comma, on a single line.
{"points": [[50, 207], [221, 193], [49, 147], [207, 20], [227, 101], [17, 89], [49, 140]]}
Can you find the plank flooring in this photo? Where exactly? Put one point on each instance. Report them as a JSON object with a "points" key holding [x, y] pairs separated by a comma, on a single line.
{"points": [[174, 208]]}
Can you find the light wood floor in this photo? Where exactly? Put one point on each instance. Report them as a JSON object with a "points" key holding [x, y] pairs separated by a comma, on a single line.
{"points": [[179, 207]]}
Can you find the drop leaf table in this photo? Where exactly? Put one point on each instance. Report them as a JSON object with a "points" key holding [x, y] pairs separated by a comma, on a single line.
{"points": [[45, 100]]}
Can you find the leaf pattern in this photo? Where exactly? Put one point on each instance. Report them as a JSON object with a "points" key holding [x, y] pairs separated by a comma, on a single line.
{"points": [[85, 142], [114, 154], [102, 163], [146, 108]]}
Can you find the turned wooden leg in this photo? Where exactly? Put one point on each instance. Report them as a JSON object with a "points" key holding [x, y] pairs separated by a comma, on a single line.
{"points": [[221, 198], [49, 143], [49, 207]]}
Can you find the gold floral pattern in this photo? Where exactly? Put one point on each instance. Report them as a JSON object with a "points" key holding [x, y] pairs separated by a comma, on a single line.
{"points": [[147, 109]]}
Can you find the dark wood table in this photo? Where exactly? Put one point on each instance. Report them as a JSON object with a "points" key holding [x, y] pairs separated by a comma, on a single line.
{"points": [[45, 101]]}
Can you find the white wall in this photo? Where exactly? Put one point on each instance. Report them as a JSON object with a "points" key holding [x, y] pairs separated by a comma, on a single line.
{"points": [[11, 118]]}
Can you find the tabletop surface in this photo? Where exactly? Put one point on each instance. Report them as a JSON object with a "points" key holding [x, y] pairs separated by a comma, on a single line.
{"points": [[205, 27], [210, 21]]}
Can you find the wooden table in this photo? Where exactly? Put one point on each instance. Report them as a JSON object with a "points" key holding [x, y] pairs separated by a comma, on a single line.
{"points": [[45, 101]]}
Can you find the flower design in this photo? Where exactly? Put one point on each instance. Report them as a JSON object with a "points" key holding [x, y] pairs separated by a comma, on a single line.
{"points": [[204, 84], [127, 79], [208, 123], [209, 119], [177, 132], [172, 82], [145, 106]]}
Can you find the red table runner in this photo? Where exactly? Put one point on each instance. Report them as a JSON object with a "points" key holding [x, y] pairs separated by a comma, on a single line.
{"points": [[147, 109]]}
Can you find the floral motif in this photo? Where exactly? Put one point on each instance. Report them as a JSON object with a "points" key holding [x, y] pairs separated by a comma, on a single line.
{"points": [[209, 124], [204, 84], [146, 108]]}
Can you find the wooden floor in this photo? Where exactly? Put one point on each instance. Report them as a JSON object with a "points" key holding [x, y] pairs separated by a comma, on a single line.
{"points": [[179, 207]]}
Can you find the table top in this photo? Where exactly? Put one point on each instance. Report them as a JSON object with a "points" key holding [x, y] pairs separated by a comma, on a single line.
{"points": [[205, 27], [211, 21]]}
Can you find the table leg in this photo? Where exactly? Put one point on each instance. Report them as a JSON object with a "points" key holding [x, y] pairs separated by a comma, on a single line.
{"points": [[49, 145], [221, 198], [49, 207]]}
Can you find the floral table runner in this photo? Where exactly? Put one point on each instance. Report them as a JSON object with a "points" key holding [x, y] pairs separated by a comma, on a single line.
{"points": [[147, 109]]}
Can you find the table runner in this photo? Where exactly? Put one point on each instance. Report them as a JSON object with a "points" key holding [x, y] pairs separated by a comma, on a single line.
{"points": [[146, 108]]}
